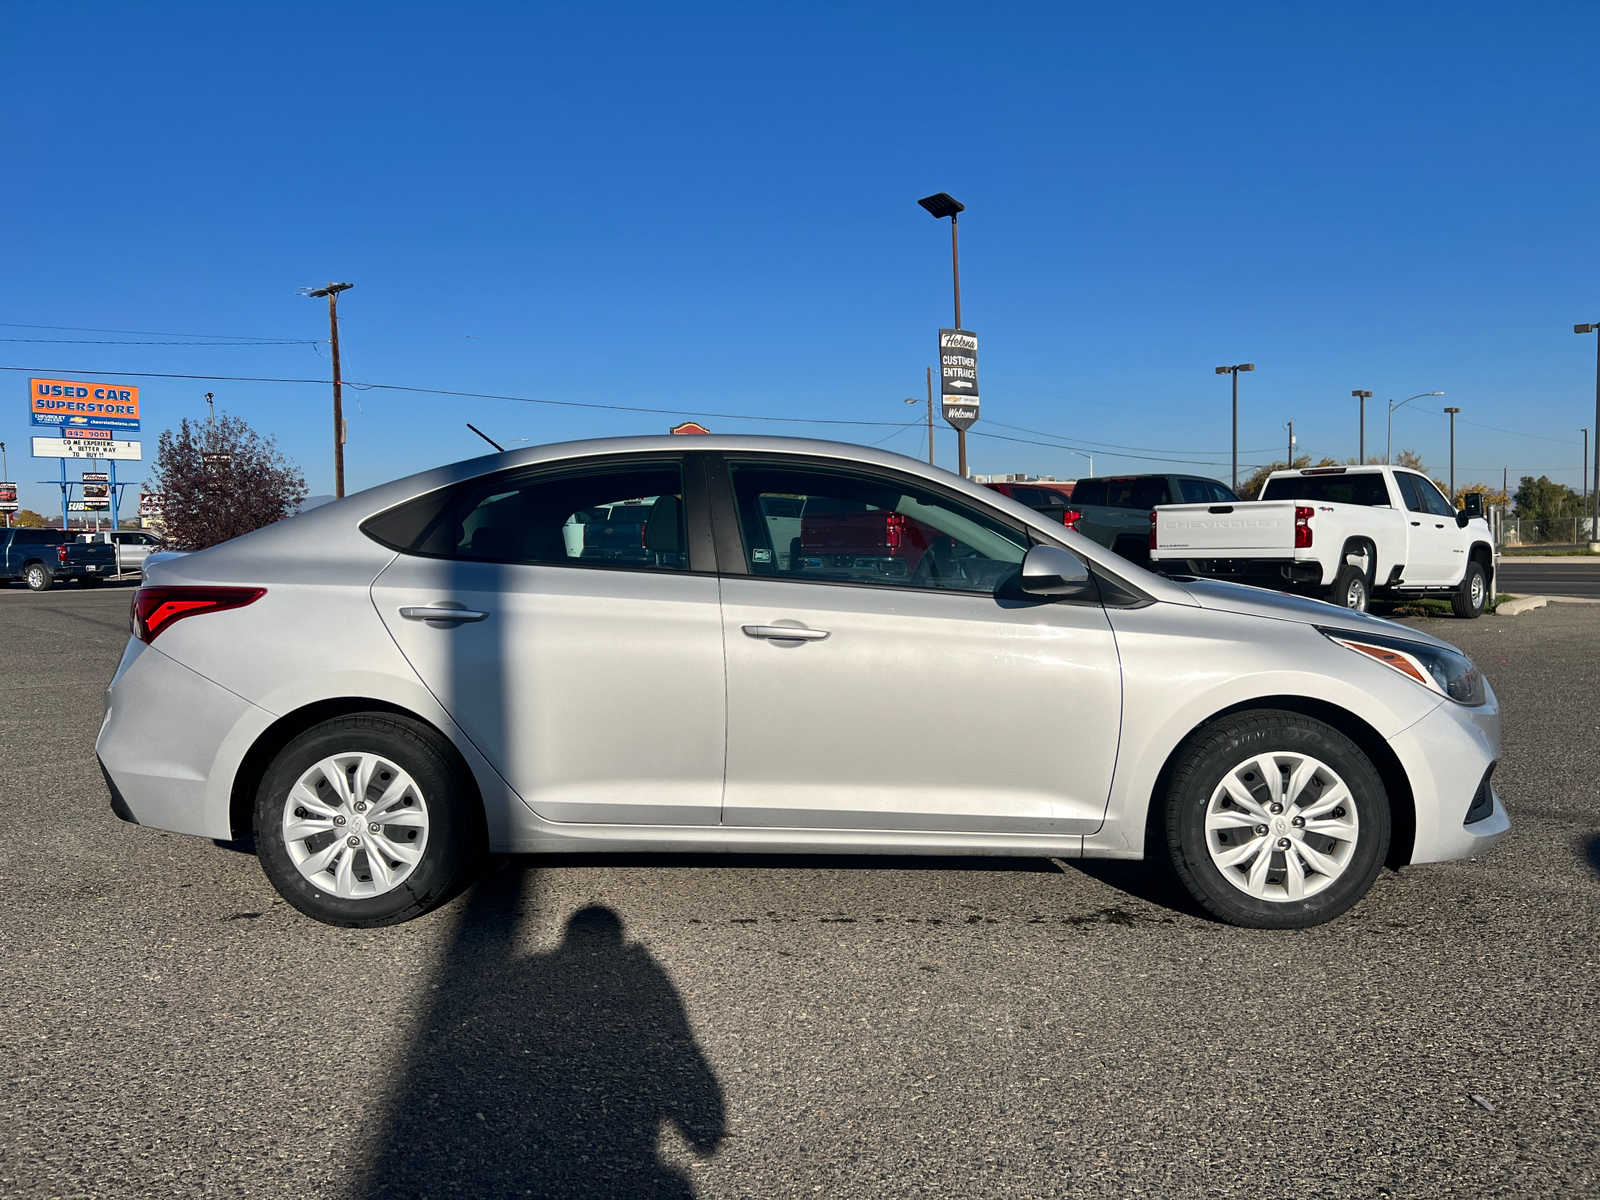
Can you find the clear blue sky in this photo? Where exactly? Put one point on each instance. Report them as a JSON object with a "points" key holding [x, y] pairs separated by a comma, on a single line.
{"points": [[712, 207]]}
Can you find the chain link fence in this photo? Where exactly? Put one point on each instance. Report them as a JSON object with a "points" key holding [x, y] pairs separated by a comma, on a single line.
{"points": [[1563, 531]]}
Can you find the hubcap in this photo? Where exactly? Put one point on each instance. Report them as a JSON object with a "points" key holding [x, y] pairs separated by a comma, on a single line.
{"points": [[1477, 590], [355, 825], [1281, 826]]}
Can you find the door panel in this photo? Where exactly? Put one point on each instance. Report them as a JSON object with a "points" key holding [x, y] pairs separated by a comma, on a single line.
{"points": [[919, 711], [1431, 550], [928, 692], [597, 694]]}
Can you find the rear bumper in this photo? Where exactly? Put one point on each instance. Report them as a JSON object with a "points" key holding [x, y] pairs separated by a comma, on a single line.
{"points": [[1448, 756], [168, 744], [1269, 572]]}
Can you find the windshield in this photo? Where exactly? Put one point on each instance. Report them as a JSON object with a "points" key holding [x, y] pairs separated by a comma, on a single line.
{"points": [[1363, 488]]}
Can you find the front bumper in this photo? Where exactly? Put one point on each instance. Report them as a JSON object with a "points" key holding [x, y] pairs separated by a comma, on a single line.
{"points": [[168, 743], [1447, 756]]}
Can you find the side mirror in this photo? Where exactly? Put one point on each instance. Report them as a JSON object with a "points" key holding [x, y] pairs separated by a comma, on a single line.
{"points": [[1472, 506], [1054, 572]]}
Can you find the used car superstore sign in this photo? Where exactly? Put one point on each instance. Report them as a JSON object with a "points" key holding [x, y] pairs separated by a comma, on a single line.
{"points": [[60, 402]]}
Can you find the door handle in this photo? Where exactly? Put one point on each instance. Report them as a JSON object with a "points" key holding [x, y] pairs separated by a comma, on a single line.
{"points": [[442, 613], [1416, 522], [785, 633]]}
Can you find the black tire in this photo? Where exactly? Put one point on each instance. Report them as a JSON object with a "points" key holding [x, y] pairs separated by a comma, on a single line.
{"points": [[38, 578], [1352, 588], [1469, 600], [455, 836], [1218, 749]]}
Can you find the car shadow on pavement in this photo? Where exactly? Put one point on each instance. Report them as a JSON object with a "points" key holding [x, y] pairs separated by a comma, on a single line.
{"points": [[545, 1074], [1591, 852]]}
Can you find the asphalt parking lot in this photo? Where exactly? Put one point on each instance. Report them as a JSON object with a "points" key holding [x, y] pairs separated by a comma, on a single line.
{"points": [[793, 1027]]}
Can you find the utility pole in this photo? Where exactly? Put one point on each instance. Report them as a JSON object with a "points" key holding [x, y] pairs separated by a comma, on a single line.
{"points": [[1362, 442], [1289, 462], [1452, 412], [332, 293], [930, 416], [5, 473], [1234, 371]]}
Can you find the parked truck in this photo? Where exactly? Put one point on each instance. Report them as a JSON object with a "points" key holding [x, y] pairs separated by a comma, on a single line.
{"points": [[1342, 533], [1115, 510], [131, 546], [41, 557]]}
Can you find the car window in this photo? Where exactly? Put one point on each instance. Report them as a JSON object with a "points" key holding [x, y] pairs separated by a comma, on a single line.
{"points": [[859, 528], [1410, 494], [38, 537], [1122, 491], [1365, 487], [598, 516], [1196, 491], [1221, 494], [1432, 498]]}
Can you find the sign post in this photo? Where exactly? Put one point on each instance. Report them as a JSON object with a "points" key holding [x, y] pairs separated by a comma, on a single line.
{"points": [[958, 383]]}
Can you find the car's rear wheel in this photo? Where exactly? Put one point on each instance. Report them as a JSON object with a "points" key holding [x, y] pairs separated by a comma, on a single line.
{"points": [[37, 577], [367, 819], [1352, 586], [1276, 820]]}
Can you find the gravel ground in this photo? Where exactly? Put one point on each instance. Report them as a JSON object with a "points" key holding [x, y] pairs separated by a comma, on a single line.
{"points": [[790, 1027]]}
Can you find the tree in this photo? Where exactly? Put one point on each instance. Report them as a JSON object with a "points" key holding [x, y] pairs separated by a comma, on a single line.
{"points": [[209, 502], [1491, 494], [1250, 489], [26, 518], [1544, 500]]}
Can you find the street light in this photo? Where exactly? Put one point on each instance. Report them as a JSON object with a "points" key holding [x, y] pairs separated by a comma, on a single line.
{"points": [[1585, 493], [1362, 444], [1234, 371], [1452, 412], [1388, 443], [914, 400], [1593, 327], [939, 206]]}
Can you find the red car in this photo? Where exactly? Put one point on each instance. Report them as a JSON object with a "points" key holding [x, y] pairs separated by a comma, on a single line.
{"points": [[1048, 496]]}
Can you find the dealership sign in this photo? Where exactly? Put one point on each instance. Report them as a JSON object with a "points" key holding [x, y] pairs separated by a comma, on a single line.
{"points": [[96, 490], [150, 503], [8, 497], [65, 404], [958, 376], [61, 447]]}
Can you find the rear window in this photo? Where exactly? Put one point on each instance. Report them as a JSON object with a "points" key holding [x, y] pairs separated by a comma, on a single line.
{"points": [[37, 537], [1132, 491], [1364, 488]]}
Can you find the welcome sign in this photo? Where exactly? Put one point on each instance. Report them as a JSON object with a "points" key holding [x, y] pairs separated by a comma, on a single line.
{"points": [[66, 404]]}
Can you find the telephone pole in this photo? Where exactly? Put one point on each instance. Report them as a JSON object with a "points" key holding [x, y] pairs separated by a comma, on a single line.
{"points": [[1289, 462], [5, 473], [332, 293], [1452, 411]]}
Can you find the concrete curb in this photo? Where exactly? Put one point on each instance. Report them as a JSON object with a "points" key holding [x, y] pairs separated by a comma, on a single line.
{"points": [[1533, 560], [1519, 605]]}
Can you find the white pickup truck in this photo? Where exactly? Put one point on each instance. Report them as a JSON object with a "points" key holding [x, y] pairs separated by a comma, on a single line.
{"points": [[1343, 533]]}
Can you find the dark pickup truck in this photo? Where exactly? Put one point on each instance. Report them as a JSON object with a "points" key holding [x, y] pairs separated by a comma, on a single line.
{"points": [[1119, 510], [40, 557]]}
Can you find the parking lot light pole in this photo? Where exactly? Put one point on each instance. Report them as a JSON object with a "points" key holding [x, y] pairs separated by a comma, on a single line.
{"points": [[941, 205], [1362, 441], [1388, 441], [1234, 371], [1584, 494], [5, 473], [1594, 327], [1452, 412]]}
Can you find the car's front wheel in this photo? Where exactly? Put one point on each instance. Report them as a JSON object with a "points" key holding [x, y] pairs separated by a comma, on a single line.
{"points": [[366, 820], [1276, 820]]}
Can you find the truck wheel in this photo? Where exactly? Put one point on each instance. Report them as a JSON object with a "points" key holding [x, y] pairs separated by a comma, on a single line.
{"points": [[1351, 588], [1275, 820], [1467, 601], [37, 577]]}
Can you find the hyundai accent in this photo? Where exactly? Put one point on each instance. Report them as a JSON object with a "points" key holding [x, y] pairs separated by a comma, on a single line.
{"points": [[766, 644]]}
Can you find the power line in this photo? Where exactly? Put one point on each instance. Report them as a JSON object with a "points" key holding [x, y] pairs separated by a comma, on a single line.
{"points": [[1108, 446], [238, 337], [109, 342]]}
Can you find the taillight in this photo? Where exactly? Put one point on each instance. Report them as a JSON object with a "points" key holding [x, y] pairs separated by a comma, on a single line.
{"points": [[1302, 527], [1152, 529], [61, 554], [894, 531], [156, 608], [1071, 517]]}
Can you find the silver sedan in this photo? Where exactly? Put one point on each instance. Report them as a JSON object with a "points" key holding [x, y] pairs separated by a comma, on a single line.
{"points": [[764, 644]]}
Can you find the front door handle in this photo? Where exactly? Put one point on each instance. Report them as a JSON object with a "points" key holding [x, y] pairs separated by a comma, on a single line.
{"points": [[442, 613], [785, 633], [1416, 522]]}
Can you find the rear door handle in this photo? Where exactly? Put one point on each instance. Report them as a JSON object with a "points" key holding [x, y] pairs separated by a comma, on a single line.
{"points": [[443, 613], [785, 633]]}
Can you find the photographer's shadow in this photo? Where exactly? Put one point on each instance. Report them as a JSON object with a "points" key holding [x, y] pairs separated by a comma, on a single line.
{"points": [[549, 1075]]}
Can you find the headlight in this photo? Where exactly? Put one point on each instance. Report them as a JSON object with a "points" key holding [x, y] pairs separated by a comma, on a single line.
{"points": [[1434, 667]]}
